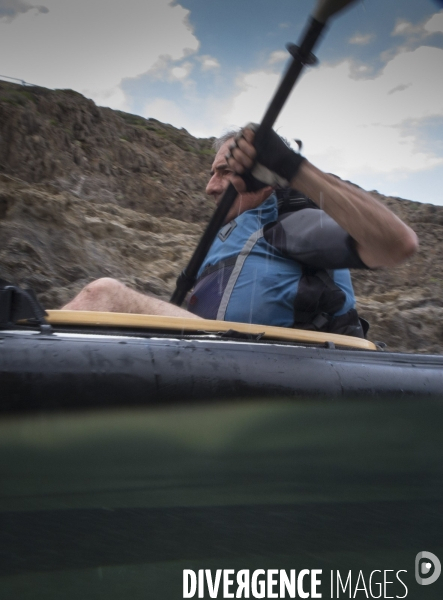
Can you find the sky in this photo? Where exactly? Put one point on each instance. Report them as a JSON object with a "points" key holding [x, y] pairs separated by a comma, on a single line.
{"points": [[371, 111]]}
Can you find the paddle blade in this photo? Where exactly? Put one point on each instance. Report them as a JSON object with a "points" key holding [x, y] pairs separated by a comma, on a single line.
{"points": [[326, 8]]}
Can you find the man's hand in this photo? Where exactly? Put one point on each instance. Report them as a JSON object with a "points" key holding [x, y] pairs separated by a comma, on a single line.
{"points": [[381, 238], [271, 162]]}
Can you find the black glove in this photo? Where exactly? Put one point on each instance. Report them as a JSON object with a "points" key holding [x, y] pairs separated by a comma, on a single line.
{"points": [[276, 163]]}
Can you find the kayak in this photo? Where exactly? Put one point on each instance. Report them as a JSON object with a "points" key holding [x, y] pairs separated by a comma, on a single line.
{"points": [[80, 359]]}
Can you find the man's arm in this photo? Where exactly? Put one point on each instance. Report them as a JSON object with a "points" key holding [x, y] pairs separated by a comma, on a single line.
{"points": [[382, 239]]}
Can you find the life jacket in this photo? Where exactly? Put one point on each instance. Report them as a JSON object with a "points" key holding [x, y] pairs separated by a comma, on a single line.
{"points": [[246, 279]]}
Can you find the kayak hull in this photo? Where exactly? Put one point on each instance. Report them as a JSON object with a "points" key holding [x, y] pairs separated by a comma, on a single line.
{"points": [[83, 369]]}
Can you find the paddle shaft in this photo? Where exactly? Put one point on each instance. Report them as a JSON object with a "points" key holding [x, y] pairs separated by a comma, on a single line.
{"points": [[301, 57], [187, 278]]}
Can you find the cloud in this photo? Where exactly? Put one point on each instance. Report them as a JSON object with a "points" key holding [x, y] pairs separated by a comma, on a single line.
{"points": [[208, 63], [362, 39], [432, 25], [277, 57], [399, 88], [403, 27], [203, 115], [92, 45], [169, 70], [166, 111], [352, 126], [182, 71], [435, 23], [11, 8], [201, 118]]}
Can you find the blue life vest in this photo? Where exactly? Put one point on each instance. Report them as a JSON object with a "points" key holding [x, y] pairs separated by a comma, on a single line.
{"points": [[245, 279]]}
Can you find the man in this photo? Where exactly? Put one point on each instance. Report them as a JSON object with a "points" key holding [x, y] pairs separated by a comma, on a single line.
{"points": [[274, 270]]}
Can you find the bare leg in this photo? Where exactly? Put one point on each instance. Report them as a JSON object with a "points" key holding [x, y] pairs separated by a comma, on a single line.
{"points": [[110, 295]]}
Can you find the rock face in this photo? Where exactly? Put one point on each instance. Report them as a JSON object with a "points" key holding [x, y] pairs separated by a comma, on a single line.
{"points": [[88, 192]]}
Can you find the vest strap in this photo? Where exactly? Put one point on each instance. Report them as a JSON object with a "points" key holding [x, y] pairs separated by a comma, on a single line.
{"points": [[244, 253]]}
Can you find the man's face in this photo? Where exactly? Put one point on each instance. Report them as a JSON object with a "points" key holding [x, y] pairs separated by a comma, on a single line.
{"points": [[221, 177]]}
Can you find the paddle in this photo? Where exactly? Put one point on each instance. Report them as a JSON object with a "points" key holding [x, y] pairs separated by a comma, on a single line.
{"points": [[302, 56]]}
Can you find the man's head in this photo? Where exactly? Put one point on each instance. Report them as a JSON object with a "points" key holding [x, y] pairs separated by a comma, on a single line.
{"points": [[221, 177]]}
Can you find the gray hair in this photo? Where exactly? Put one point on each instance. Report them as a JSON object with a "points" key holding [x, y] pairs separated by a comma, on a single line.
{"points": [[218, 143]]}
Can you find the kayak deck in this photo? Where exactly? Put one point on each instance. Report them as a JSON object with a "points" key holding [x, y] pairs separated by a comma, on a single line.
{"points": [[179, 324]]}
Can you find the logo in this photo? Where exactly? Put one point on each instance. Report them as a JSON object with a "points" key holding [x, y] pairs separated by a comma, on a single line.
{"points": [[427, 568]]}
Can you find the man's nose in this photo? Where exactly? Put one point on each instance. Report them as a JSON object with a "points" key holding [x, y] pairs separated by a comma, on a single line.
{"points": [[214, 185]]}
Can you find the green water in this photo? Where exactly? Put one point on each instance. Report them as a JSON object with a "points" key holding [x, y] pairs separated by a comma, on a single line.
{"points": [[115, 504]]}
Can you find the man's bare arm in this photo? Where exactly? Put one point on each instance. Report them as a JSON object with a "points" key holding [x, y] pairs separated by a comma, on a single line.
{"points": [[382, 239]]}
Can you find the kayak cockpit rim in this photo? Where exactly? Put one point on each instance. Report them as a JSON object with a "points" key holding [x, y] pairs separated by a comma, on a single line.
{"points": [[186, 325]]}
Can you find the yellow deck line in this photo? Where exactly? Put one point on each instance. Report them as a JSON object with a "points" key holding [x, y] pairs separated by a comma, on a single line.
{"points": [[179, 324]]}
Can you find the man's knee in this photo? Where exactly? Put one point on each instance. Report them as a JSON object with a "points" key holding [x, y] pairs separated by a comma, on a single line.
{"points": [[105, 294], [103, 287]]}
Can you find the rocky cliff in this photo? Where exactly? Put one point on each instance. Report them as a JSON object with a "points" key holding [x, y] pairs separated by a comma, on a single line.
{"points": [[87, 192]]}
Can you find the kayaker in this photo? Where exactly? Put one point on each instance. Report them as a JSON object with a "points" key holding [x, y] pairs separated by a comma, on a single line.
{"points": [[288, 270]]}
